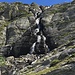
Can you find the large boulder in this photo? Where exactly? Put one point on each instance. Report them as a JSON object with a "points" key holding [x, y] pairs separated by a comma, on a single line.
{"points": [[16, 29]]}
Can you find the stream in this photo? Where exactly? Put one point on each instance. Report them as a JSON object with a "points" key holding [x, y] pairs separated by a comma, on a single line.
{"points": [[40, 45]]}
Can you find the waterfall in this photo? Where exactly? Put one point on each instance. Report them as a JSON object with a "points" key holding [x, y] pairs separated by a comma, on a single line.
{"points": [[37, 21], [33, 48], [40, 41], [36, 31]]}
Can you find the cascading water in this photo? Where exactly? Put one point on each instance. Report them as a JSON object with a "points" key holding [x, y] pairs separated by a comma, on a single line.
{"points": [[40, 45], [36, 39]]}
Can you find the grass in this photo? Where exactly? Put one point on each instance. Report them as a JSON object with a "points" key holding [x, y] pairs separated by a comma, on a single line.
{"points": [[59, 9], [44, 71], [3, 25], [54, 62], [71, 47], [2, 61], [22, 13], [1, 8], [2, 29]]}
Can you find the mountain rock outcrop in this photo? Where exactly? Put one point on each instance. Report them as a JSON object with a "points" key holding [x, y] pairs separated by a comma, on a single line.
{"points": [[37, 40]]}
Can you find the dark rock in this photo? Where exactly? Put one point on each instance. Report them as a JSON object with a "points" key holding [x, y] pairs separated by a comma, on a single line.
{"points": [[7, 50], [63, 55]]}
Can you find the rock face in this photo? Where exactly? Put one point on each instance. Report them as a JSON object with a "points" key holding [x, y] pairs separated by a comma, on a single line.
{"points": [[41, 37]]}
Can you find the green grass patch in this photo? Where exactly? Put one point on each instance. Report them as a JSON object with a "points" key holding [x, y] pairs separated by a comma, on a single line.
{"points": [[1, 8], [3, 25], [54, 62], [2, 61]]}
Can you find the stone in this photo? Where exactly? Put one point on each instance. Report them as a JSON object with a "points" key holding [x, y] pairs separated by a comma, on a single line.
{"points": [[16, 29], [11, 59]]}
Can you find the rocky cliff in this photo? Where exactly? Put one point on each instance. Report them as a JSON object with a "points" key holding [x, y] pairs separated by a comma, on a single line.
{"points": [[37, 40]]}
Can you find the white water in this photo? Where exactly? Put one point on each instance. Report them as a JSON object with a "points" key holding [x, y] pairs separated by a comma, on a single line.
{"points": [[37, 21], [44, 37], [33, 48], [39, 37], [36, 31]]}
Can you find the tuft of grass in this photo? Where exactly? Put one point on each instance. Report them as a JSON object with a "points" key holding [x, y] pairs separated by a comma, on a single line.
{"points": [[70, 59], [2, 61], [54, 62], [1, 8], [3, 25]]}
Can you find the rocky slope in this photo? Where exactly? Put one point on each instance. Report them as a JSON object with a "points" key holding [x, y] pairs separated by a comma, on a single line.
{"points": [[53, 43]]}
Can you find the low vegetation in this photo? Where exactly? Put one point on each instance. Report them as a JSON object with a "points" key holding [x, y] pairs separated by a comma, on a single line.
{"points": [[2, 61]]}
